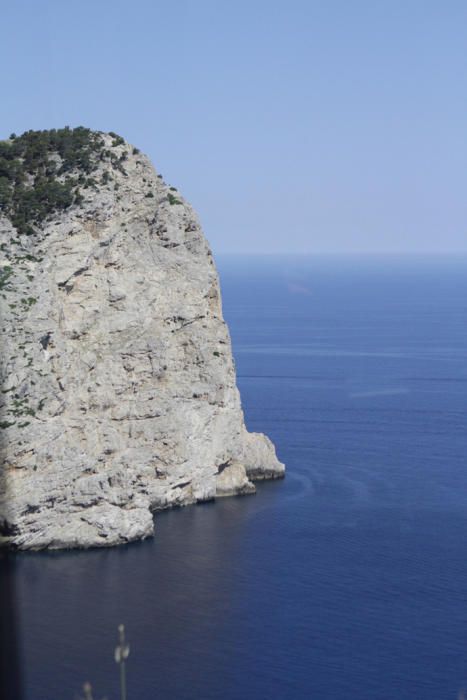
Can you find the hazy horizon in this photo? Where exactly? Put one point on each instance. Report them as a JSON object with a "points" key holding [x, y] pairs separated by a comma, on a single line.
{"points": [[344, 253], [305, 127]]}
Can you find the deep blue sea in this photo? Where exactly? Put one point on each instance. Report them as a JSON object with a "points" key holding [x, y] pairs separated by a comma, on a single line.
{"points": [[346, 580]]}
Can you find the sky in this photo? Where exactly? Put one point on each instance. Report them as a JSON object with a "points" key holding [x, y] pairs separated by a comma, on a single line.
{"points": [[331, 126]]}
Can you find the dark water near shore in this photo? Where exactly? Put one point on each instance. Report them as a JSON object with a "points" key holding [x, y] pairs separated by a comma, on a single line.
{"points": [[349, 578]]}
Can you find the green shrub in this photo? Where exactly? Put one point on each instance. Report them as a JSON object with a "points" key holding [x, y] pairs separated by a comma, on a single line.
{"points": [[29, 301], [5, 274], [172, 199]]}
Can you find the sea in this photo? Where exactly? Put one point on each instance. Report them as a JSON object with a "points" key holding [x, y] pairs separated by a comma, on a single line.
{"points": [[348, 579]]}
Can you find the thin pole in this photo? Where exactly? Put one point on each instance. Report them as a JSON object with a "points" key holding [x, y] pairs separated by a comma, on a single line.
{"points": [[122, 681], [122, 652]]}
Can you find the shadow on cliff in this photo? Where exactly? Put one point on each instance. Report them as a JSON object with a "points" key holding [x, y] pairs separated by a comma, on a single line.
{"points": [[10, 675]]}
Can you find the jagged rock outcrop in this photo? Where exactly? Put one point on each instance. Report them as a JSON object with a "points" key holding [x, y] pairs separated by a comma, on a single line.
{"points": [[118, 385]]}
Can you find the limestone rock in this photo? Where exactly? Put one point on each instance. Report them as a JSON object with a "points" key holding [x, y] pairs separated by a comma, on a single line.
{"points": [[119, 395]]}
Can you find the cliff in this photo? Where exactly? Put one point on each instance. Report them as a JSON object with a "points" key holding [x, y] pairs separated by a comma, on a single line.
{"points": [[118, 384]]}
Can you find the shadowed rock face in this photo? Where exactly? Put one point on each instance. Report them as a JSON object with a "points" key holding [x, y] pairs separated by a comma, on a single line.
{"points": [[118, 385]]}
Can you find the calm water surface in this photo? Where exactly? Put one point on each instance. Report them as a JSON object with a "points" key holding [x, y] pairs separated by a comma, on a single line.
{"points": [[349, 578]]}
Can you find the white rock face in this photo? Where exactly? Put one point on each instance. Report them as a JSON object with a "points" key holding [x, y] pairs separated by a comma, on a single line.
{"points": [[118, 385]]}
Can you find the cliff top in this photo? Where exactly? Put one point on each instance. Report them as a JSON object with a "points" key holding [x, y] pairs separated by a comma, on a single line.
{"points": [[44, 172]]}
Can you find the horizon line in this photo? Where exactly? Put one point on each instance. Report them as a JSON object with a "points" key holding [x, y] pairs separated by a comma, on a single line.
{"points": [[349, 253]]}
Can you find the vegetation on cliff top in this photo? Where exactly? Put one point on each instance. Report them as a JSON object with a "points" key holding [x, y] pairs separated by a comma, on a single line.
{"points": [[43, 172]]}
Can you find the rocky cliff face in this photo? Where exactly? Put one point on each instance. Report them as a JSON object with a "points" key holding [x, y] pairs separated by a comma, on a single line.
{"points": [[118, 384]]}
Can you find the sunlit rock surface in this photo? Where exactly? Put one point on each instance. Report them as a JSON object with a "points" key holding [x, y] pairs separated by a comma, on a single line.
{"points": [[118, 384]]}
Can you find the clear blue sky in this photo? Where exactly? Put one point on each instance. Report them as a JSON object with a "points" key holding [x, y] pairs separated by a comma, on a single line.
{"points": [[297, 126]]}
